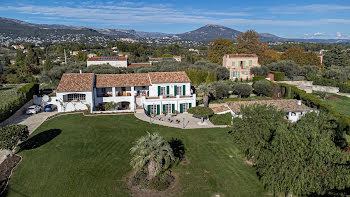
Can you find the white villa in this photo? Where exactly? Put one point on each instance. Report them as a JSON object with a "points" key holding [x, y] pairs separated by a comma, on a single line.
{"points": [[121, 61], [294, 109], [155, 92]]}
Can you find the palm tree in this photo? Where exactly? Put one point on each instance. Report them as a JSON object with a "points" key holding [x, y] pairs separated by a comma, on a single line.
{"points": [[151, 151], [205, 90]]}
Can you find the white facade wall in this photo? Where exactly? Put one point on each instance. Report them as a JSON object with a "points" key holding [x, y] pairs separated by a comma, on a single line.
{"points": [[74, 105], [153, 89], [163, 101], [112, 63]]}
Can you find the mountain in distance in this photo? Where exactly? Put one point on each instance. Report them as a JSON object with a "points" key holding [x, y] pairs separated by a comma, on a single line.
{"points": [[17, 28], [210, 32]]}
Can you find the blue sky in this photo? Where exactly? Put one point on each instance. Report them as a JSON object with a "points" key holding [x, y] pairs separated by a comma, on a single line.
{"points": [[290, 19]]}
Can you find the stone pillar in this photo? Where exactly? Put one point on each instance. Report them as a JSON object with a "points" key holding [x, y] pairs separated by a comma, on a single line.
{"points": [[113, 92]]}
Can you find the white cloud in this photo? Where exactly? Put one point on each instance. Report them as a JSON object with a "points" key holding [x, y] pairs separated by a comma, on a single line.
{"points": [[320, 8], [339, 35]]}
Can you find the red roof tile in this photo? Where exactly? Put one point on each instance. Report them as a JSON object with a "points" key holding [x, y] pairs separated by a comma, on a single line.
{"points": [[74, 82], [240, 55], [122, 80], [168, 77], [121, 58]]}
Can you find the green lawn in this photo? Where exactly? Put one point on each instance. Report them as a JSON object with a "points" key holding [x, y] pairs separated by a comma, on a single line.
{"points": [[90, 157], [8, 92], [342, 105]]}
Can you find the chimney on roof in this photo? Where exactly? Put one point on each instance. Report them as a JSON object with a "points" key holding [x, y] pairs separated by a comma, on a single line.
{"points": [[298, 102], [80, 72]]}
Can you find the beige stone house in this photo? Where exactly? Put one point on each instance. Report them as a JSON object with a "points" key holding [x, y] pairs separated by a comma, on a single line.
{"points": [[239, 65]]}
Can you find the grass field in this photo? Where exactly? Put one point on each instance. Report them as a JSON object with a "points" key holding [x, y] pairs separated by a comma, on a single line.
{"points": [[74, 155], [342, 105], [8, 92]]}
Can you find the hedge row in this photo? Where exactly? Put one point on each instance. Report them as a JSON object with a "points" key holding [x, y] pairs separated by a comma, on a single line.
{"points": [[24, 94], [314, 102], [278, 76]]}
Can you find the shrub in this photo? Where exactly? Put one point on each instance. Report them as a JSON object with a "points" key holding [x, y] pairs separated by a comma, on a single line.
{"points": [[200, 111], [262, 88], [242, 89], [24, 94], [345, 87], [11, 135], [260, 71], [278, 76], [258, 78], [110, 106], [221, 89], [221, 119]]}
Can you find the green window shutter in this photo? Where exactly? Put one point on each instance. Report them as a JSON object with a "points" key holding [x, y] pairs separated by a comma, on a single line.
{"points": [[172, 108], [175, 90], [189, 105], [163, 107], [167, 90], [158, 109], [158, 90], [148, 109], [250, 62], [233, 64], [181, 108], [244, 64], [238, 74], [231, 75], [184, 90]]}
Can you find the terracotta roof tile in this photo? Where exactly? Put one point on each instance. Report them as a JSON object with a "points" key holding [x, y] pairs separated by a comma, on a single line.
{"points": [[121, 58], [122, 80], [240, 55], [286, 105], [75, 82], [168, 77]]}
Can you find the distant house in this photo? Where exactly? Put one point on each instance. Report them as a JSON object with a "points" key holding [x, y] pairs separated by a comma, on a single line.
{"points": [[19, 46], [239, 65], [133, 65], [294, 109], [74, 53], [113, 61], [154, 92], [90, 55], [160, 59]]}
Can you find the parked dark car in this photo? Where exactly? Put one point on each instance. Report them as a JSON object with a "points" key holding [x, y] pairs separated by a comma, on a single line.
{"points": [[49, 108]]}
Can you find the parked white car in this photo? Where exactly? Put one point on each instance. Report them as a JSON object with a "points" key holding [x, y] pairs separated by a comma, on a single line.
{"points": [[33, 109]]}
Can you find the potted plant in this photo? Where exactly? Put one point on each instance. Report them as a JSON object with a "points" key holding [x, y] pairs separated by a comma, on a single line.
{"points": [[175, 113], [164, 113], [152, 115], [169, 119], [177, 121]]}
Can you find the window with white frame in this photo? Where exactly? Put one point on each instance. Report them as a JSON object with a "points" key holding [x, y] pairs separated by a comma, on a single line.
{"points": [[162, 91], [76, 97], [154, 109], [179, 90], [185, 107]]}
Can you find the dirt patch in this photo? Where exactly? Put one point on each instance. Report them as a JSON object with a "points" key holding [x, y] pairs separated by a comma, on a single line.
{"points": [[137, 192], [250, 162], [333, 98], [6, 168]]}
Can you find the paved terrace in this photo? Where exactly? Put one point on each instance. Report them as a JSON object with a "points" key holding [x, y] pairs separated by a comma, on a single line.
{"points": [[187, 121]]}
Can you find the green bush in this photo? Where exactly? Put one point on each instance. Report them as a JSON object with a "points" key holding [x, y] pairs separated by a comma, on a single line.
{"points": [[200, 111], [278, 76], [24, 94], [242, 89], [262, 88], [110, 106], [11, 135], [221, 119], [345, 88], [258, 78]]}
